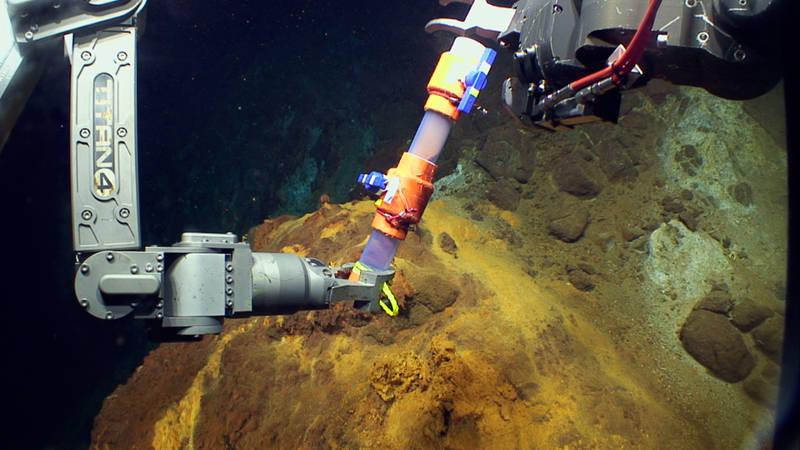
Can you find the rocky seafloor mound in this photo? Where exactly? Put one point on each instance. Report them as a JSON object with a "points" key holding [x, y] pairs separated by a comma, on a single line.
{"points": [[617, 287]]}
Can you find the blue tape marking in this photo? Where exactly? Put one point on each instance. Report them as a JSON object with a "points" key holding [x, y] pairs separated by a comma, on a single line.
{"points": [[476, 80]]}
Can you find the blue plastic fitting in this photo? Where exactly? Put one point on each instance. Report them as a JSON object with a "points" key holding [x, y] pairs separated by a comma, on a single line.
{"points": [[476, 81], [373, 181]]}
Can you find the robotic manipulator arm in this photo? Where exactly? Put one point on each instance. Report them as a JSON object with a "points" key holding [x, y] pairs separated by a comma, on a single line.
{"points": [[184, 290], [573, 58]]}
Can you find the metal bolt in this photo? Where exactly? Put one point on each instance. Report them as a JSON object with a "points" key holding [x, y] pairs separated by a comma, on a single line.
{"points": [[160, 315], [159, 267], [84, 133], [160, 304], [86, 214], [122, 56], [557, 8], [84, 269], [84, 302], [148, 267], [229, 279], [122, 132], [702, 37], [86, 55], [109, 256], [29, 35], [739, 55], [691, 3], [229, 267], [229, 302], [229, 291], [134, 269], [109, 315], [741, 3], [124, 213], [35, 27], [160, 257]]}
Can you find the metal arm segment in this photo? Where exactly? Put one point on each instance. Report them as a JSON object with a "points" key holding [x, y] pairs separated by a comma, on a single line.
{"points": [[103, 148], [190, 287]]}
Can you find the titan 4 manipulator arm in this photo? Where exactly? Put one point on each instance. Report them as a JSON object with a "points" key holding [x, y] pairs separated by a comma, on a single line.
{"points": [[184, 290]]}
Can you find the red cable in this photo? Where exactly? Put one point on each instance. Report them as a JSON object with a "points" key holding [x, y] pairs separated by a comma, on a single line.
{"points": [[621, 67]]}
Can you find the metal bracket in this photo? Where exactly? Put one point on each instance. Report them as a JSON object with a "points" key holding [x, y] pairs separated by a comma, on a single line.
{"points": [[633, 75], [35, 20], [111, 285], [483, 20]]}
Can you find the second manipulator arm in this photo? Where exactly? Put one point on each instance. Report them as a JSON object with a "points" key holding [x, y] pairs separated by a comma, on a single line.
{"points": [[187, 289], [184, 290]]}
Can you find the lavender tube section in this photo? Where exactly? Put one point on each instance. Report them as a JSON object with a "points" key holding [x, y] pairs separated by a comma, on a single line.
{"points": [[427, 144]]}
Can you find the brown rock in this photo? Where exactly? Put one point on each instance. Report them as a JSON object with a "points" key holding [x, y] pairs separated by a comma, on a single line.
{"points": [[581, 280], [571, 227], [764, 387], [504, 194], [748, 314], [769, 338], [447, 243], [434, 292], [504, 156], [715, 343], [742, 193], [494, 158], [616, 164], [761, 391], [575, 176], [588, 268], [717, 301], [672, 205]]}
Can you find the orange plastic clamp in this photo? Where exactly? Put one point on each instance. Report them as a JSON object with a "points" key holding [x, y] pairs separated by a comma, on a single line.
{"points": [[399, 208], [446, 86]]}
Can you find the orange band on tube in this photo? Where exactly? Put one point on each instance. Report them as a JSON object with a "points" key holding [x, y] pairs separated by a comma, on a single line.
{"points": [[410, 188], [446, 86]]}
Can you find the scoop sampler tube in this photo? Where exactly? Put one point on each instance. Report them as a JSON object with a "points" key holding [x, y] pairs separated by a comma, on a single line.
{"points": [[447, 87]]}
